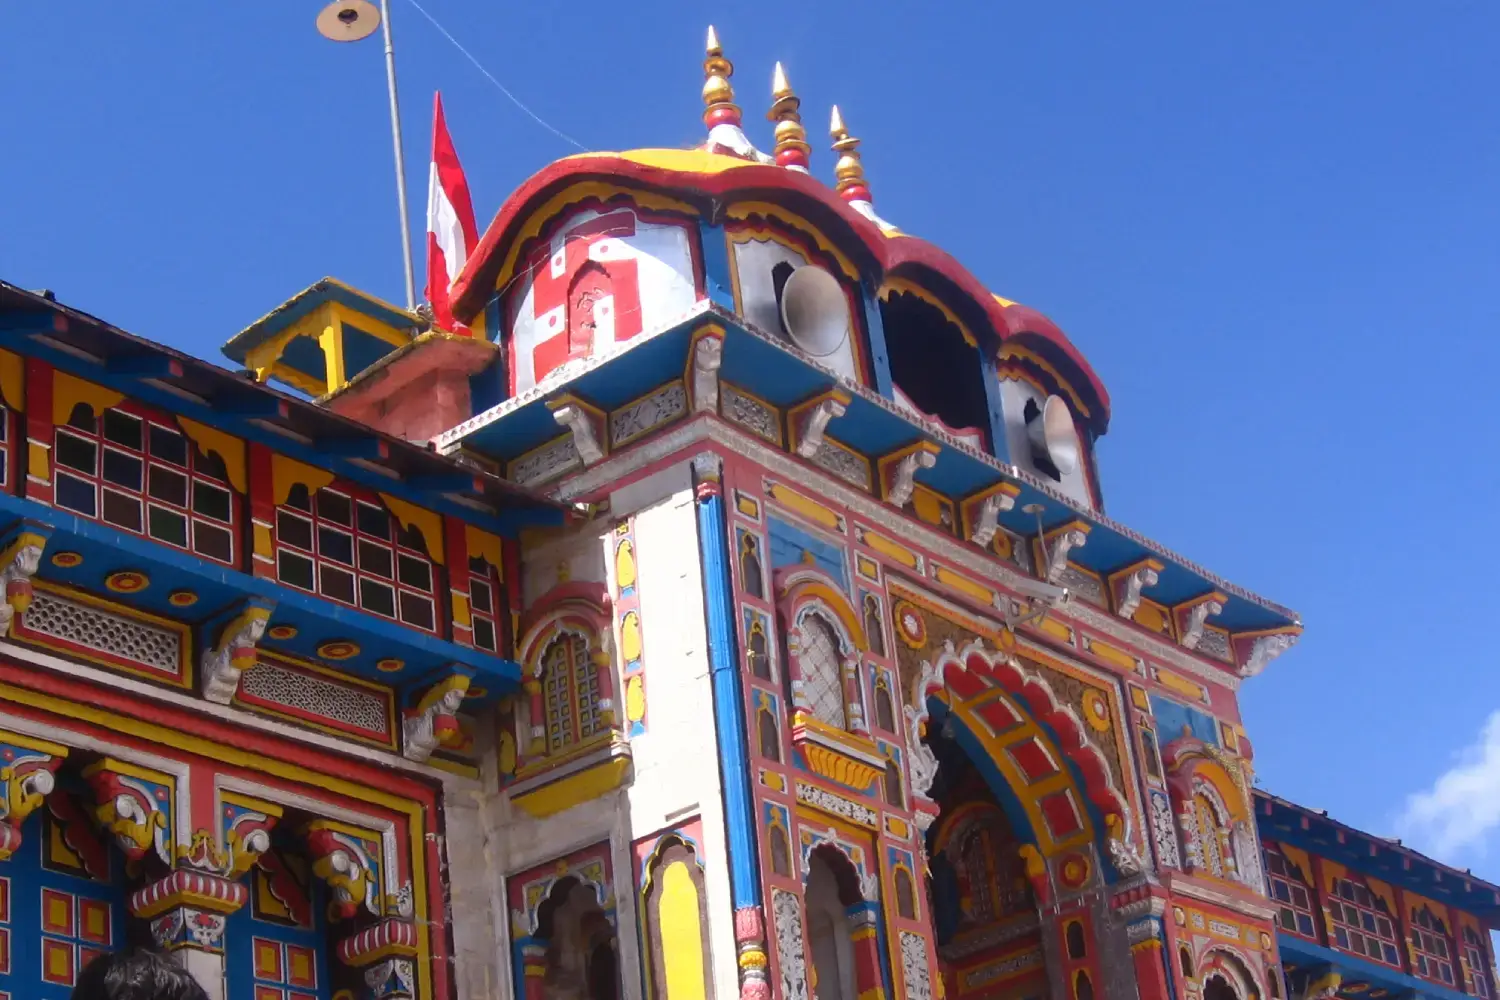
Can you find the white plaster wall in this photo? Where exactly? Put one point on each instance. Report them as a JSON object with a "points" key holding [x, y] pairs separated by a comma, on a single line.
{"points": [[753, 261], [664, 262], [473, 882]]}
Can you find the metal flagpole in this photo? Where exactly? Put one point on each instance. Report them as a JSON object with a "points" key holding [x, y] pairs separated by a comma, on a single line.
{"points": [[390, 79], [350, 21]]}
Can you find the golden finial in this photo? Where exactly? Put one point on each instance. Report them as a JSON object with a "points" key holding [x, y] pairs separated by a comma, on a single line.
{"points": [[718, 93], [849, 172], [791, 139]]}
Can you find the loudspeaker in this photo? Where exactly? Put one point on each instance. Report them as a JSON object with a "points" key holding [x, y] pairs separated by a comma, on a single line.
{"points": [[815, 311], [1052, 434], [348, 20]]}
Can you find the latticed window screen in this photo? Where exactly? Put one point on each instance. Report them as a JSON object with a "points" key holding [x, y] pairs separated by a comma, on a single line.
{"points": [[822, 672], [1361, 923], [1429, 941], [570, 683], [1208, 837]]}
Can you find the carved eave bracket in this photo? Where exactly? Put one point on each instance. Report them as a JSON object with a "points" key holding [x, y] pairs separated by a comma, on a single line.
{"points": [[1254, 651], [981, 512], [26, 780], [1055, 545], [1127, 586], [433, 721], [1192, 616], [20, 556], [135, 806], [809, 420], [233, 651], [390, 939], [705, 357], [898, 471], [584, 422], [348, 861], [245, 826]]}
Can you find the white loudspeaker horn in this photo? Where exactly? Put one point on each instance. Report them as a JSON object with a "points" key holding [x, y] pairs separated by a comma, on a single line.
{"points": [[348, 20], [1053, 435], [815, 311]]}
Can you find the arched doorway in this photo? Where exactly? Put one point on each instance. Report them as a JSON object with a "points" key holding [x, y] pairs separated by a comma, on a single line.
{"points": [[581, 958], [828, 928]]}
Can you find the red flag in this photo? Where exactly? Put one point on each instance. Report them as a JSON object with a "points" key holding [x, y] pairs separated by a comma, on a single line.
{"points": [[451, 233]]}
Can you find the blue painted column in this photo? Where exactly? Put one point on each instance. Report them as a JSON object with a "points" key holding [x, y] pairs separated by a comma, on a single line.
{"points": [[880, 359], [999, 446], [729, 728], [718, 284]]}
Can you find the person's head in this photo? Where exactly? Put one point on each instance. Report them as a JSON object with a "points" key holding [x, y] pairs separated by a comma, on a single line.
{"points": [[136, 974]]}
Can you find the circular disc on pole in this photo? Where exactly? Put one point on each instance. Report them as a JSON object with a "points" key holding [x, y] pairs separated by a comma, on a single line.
{"points": [[348, 20]]}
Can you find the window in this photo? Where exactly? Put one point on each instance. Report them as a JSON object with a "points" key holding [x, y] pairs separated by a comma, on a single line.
{"points": [[906, 896], [885, 710], [570, 687], [1478, 964], [354, 552], [1429, 942], [484, 605], [760, 656], [893, 795], [1362, 924], [1150, 755], [752, 577], [1208, 836], [143, 475], [1083, 986], [822, 670], [1077, 946], [874, 629], [1185, 960], [1288, 888], [770, 737], [781, 852]]}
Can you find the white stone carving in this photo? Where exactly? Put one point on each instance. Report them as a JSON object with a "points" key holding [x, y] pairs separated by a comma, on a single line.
{"points": [[786, 910], [1266, 649], [645, 415], [420, 730], [825, 800], [869, 887], [843, 463], [1164, 832], [708, 356], [751, 414], [817, 423], [1057, 552], [21, 568], [224, 663], [988, 520], [1198, 614], [572, 416], [1247, 857], [1130, 600], [905, 479], [914, 971], [546, 463], [94, 628], [1125, 858]]}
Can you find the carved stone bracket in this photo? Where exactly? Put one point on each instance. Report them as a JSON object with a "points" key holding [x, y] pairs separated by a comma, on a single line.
{"points": [[26, 779], [19, 559], [392, 979], [703, 372], [1193, 615], [233, 652], [135, 806], [810, 420], [433, 721], [347, 859], [898, 470], [1058, 542], [1256, 650], [584, 422], [1127, 585], [386, 939], [245, 832], [982, 512]]}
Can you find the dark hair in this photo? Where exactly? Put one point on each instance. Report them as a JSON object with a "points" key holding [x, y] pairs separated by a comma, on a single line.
{"points": [[136, 974]]}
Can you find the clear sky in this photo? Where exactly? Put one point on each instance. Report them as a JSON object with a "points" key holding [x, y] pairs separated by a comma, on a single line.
{"points": [[1274, 228]]}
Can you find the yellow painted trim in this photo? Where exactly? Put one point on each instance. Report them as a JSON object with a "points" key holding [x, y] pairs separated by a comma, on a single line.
{"points": [[230, 449], [928, 504], [546, 213], [581, 786], [836, 602], [487, 547], [288, 472], [1013, 350], [331, 341], [38, 461], [462, 616], [13, 381], [891, 550], [429, 523], [799, 504], [743, 211], [261, 543], [902, 285], [1114, 657], [963, 584], [68, 392], [1180, 685]]}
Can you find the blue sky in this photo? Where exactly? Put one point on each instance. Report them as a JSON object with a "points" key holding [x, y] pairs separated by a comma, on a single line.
{"points": [[1275, 231]]}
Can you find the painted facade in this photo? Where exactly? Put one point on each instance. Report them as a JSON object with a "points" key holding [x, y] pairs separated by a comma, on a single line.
{"points": [[697, 628]]}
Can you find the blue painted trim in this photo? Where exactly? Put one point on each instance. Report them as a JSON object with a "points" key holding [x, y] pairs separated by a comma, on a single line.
{"points": [[151, 554], [718, 283], [28, 324], [518, 962], [999, 446], [880, 358], [141, 366], [729, 709], [1364, 970]]}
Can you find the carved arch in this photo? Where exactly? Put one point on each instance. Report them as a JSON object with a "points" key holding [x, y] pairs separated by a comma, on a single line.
{"points": [[804, 593], [580, 608], [798, 586], [1189, 761], [1229, 965]]}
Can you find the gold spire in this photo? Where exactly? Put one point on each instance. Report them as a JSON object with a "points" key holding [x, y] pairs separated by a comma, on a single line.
{"points": [[718, 93], [791, 138], [849, 172]]}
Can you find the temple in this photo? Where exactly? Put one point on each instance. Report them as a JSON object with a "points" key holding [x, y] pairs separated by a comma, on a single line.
{"points": [[726, 607]]}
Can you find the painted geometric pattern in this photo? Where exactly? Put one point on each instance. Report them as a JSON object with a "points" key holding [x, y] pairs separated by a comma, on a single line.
{"points": [[268, 955], [52, 925], [303, 694], [158, 650], [821, 671]]}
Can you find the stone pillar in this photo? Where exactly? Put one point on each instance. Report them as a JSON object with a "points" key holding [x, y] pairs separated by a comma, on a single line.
{"points": [[750, 941], [863, 921], [384, 952], [187, 911], [1150, 957], [854, 708], [537, 745]]}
